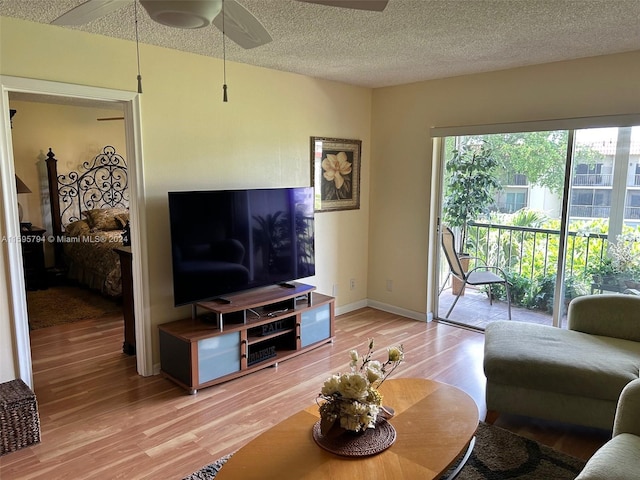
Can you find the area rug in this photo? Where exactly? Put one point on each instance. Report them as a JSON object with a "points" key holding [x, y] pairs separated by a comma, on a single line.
{"points": [[498, 454], [65, 304]]}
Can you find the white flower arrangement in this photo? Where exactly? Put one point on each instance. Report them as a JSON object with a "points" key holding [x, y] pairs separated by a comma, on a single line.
{"points": [[351, 401]]}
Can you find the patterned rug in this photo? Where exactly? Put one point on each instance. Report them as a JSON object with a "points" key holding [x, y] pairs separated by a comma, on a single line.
{"points": [[497, 455], [66, 304]]}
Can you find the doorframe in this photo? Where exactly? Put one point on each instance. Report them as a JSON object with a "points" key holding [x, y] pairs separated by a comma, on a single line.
{"points": [[16, 292], [434, 251]]}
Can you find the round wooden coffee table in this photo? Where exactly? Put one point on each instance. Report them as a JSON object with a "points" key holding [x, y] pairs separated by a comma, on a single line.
{"points": [[435, 424]]}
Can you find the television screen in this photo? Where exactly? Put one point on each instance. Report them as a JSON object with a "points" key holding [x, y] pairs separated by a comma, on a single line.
{"points": [[226, 241]]}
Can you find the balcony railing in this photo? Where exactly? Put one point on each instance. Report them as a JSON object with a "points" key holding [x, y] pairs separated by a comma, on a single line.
{"points": [[590, 211], [504, 207], [533, 252], [593, 179], [515, 179], [632, 213]]}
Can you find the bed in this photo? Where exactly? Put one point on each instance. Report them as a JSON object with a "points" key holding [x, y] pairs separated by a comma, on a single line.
{"points": [[89, 211]]}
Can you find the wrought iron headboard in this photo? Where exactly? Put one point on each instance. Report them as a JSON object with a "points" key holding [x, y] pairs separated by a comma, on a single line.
{"points": [[100, 183]]}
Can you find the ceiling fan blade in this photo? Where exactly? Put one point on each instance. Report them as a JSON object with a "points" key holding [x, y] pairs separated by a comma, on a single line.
{"points": [[374, 5], [88, 11], [241, 26]]}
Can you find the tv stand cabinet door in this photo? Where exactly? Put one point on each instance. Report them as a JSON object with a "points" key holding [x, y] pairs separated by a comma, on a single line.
{"points": [[218, 356], [315, 325]]}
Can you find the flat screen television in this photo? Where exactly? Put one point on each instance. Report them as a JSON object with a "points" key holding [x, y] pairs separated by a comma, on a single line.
{"points": [[227, 241]]}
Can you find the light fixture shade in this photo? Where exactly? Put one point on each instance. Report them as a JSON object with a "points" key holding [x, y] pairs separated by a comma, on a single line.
{"points": [[21, 187], [183, 13]]}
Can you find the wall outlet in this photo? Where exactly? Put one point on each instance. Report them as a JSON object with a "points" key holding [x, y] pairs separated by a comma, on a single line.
{"points": [[389, 285], [352, 284], [335, 290]]}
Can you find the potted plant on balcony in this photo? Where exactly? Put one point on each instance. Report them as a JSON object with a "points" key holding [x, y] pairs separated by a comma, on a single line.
{"points": [[603, 274], [620, 268], [470, 188], [624, 259]]}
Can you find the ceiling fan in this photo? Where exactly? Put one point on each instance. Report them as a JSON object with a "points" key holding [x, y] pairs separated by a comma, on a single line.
{"points": [[239, 24]]}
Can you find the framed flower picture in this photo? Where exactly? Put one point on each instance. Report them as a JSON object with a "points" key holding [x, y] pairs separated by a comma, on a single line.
{"points": [[335, 173]]}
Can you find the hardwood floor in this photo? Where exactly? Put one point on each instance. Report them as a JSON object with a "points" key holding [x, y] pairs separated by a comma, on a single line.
{"points": [[100, 420]]}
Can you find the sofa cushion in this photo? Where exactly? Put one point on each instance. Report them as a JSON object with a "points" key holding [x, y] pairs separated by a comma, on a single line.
{"points": [[618, 459], [553, 359], [610, 315]]}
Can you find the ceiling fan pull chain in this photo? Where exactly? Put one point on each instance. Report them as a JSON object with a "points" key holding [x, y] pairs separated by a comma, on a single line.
{"points": [[135, 9], [224, 60]]}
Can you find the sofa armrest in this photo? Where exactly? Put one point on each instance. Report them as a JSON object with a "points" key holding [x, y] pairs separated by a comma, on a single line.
{"points": [[627, 418], [611, 315]]}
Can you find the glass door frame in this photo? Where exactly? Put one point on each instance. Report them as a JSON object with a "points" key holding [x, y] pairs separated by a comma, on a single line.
{"points": [[438, 134]]}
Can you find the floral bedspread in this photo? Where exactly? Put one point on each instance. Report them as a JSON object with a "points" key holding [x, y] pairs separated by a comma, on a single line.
{"points": [[91, 260]]}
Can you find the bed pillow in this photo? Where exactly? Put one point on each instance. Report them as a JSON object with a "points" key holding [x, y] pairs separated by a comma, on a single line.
{"points": [[77, 228], [104, 218]]}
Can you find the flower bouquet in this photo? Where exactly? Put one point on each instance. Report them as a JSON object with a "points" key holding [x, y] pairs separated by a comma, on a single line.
{"points": [[350, 402]]}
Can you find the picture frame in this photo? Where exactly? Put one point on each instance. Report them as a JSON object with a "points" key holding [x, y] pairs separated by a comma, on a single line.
{"points": [[335, 173]]}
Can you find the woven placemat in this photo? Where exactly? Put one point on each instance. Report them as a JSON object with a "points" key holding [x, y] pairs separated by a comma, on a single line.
{"points": [[369, 442]]}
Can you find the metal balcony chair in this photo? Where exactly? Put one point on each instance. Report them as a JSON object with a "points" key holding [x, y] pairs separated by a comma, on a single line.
{"points": [[478, 276]]}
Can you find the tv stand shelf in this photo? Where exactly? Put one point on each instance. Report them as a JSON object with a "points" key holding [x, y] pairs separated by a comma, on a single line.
{"points": [[257, 329], [274, 300]]}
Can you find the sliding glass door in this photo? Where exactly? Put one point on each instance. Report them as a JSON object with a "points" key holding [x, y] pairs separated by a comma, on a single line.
{"points": [[604, 213], [551, 210]]}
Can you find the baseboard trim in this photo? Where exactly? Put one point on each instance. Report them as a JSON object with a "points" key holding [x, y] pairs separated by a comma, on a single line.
{"points": [[422, 317], [350, 307]]}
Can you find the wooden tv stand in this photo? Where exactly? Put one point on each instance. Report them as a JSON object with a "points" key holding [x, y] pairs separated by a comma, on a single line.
{"points": [[257, 329]]}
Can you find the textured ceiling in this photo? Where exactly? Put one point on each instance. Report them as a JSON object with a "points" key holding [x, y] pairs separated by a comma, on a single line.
{"points": [[411, 40]]}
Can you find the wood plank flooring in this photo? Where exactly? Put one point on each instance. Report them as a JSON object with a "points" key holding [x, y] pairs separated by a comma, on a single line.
{"points": [[100, 420]]}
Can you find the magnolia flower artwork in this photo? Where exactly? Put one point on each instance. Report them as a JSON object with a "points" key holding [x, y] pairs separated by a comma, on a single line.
{"points": [[335, 173], [351, 401], [337, 170]]}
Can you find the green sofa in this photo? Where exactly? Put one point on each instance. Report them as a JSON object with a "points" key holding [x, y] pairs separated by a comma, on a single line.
{"points": [[619, 458], [572, 375]]}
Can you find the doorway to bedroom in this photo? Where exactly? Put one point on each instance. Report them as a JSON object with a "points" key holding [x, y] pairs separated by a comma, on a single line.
{"points": [[16, 342], [67, 282]]}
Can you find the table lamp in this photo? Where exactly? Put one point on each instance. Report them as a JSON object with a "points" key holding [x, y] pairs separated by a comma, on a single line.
{"points": [[21, 187]]}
